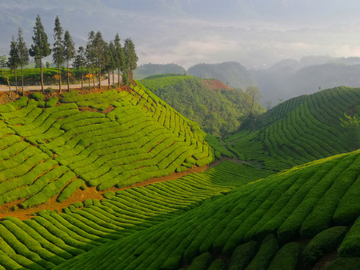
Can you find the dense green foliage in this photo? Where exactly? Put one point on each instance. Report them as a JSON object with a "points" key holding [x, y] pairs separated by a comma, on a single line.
{"points": [[217, 112]]}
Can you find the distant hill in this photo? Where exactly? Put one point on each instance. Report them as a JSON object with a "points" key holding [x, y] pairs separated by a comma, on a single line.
{"points": [[231, 73], [288, 79], [217, 112], [302, 129], [151, 69]]}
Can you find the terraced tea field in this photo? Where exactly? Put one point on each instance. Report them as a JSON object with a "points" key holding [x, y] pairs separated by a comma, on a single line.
{"points": [[255, 223], [302, 129], [49, 150], [232, 216]]}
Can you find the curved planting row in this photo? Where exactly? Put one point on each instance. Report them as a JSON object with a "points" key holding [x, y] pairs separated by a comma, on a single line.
{"points": [[308, 132], [305, 201], [50, 238], [47, 151]]}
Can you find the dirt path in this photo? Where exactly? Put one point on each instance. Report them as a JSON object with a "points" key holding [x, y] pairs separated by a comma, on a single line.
{"points": [[4, 88], [81, 195]]}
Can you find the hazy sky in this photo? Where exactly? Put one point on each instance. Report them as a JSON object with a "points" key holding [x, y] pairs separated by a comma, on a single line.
{"points": [[256, 33]]}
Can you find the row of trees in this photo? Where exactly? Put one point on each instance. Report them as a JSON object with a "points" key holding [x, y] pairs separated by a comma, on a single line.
{"points": [[98, 56]]}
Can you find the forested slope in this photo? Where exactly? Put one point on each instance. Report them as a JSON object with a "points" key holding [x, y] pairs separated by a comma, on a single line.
{"points": [[218, 112]]}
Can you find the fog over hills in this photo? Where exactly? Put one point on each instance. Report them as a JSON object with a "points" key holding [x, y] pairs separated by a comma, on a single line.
{"points": [[255, 33]]}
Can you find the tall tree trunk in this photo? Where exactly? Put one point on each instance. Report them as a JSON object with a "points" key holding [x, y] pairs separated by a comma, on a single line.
{"points": [[89, 79], [99, 78], [59, 79], [16, 81], [118, 76], [82, 78], [109, 80], [68, 77], [93, 79], [22, 79], [42, 77], [113, 77]]}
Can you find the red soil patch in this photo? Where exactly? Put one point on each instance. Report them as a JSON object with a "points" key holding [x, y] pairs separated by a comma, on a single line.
{"points": [[82, 195], [215, 85]]}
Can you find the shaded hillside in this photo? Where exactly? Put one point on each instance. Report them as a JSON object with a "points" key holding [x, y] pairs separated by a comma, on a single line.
{"points": [[300, 215], [217, 112], [100, 140], [302, 129], [231, 73], [151, 69]]}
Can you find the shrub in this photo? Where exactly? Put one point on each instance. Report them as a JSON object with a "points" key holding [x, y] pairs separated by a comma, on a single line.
{"points": [[267, 251], [37, 96], [243, 255], [286, 258], [49, 90], [201, 262], [51, 102], [218, 264], [322, 243]]}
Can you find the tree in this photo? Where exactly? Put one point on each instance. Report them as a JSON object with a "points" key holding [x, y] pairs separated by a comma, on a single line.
{"points": [[5, 75], [47, 64], [120, 60], [90, 55], [80, 62], [131, 57], [99, 53], [112, 63], [41, 47], [69, 53], [58, 50], [13, 60], [23, 56], [254, 95]]}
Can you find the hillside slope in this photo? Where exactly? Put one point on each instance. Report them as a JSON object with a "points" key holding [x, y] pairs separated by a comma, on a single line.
{"points": [[302, 129], [101, 140], [217, 112], [313, 201]]}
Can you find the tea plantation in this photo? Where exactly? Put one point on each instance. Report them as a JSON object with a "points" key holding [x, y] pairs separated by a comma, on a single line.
{"points": [[287, 200], [49, 150]]}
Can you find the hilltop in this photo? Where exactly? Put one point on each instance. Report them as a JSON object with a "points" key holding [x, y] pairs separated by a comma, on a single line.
{"points": [[217, 112]]}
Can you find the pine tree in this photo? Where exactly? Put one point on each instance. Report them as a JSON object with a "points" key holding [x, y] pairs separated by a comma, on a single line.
{"points": [[58, 50], [100, 53], [5, 75], [80, 62], [23, 56], [131, 57], [69, 53], [90, 55], [41, 47], [13, 60], [113, 59]]}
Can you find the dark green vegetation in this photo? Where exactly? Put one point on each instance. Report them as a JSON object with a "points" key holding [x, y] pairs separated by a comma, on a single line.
{"points": [[217, 112], [233, 216], [45, 148], [271, 212], [302, 129]]}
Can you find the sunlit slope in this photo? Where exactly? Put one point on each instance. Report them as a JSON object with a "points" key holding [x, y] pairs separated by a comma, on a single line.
{"points": [[48, 150], [51, 238], [305, 201], [302, 129]]}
